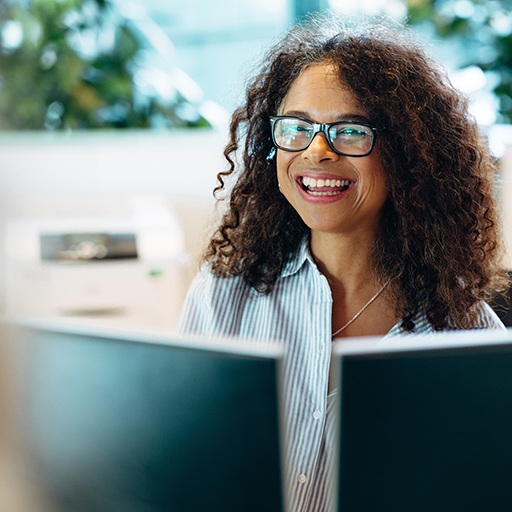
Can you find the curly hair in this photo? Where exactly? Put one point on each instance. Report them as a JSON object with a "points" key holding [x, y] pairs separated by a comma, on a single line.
{"points": [[440, 239]]}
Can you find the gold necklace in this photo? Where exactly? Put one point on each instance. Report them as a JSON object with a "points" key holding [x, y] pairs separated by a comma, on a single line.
{"points": [[360, 312]]}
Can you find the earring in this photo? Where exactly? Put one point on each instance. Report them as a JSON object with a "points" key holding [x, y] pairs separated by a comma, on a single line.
{"points": [[272, 154]]}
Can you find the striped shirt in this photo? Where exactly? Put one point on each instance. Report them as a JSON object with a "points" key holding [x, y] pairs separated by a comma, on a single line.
{"points": [[297, 313]]}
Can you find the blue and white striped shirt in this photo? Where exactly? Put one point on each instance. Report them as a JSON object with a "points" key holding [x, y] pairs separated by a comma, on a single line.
{"points": [[297, 313]]}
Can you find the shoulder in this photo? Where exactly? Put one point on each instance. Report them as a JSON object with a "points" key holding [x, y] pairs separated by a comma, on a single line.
{"points": [[206, 286], [211, 298], [487, 317]]}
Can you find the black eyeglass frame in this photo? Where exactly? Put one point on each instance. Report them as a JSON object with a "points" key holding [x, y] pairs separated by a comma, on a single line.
{"points": [[324, 128]]}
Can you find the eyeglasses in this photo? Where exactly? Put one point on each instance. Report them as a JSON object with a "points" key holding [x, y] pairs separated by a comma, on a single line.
{"points": [[345, 138]]}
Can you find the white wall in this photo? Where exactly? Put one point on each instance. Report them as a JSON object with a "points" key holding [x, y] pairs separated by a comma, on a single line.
{"points": [[96, 179]]}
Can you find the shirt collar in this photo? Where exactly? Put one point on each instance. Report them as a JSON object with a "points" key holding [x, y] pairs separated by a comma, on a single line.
{"points": [[294, 264]]}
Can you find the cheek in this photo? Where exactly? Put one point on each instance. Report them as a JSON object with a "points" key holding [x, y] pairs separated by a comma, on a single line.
{"points": [[283, 175], [282, 165], [376, 170]]}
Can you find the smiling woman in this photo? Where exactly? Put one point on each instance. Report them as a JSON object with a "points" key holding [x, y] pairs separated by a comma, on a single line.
{"points": [[363, 204]]}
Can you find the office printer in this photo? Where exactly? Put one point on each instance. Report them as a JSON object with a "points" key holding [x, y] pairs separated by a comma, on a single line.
{"points": [[119, 262]]}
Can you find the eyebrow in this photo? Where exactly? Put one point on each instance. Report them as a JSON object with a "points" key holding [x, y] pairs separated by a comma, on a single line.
{"points": [[341, 117]]}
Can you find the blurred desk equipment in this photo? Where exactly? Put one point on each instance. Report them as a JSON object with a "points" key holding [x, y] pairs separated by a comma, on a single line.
{"points": [[125, 422], [117, 262], [426, 423]]}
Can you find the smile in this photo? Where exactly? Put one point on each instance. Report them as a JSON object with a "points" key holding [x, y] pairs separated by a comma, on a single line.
{"points": [[324, 187]]}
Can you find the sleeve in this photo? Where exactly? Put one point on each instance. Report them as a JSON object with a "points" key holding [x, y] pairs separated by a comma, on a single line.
{"points": [[196, 313]]}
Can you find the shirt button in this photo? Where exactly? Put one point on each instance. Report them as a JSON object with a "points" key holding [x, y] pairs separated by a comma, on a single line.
{"points": [[317, 414], [302, 479]]}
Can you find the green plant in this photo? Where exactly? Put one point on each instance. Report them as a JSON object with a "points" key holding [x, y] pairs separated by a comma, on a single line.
{"points": [[71, 64], [481, 31]]}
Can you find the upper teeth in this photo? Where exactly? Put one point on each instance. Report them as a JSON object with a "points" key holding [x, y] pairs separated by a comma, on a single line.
{"points": [[312, 182]]}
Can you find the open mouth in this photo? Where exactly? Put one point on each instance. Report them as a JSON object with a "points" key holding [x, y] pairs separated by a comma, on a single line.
{"points": [[324, 187]]}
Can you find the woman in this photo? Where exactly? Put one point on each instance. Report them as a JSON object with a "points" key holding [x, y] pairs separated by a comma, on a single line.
{"points": [[363, 204]]}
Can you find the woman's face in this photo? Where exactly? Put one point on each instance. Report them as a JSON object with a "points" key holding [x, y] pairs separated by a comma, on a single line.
{"points": [[332, 193]]}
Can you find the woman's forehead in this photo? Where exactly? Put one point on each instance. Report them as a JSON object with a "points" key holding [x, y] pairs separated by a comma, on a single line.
{"points": [[320, 88]]}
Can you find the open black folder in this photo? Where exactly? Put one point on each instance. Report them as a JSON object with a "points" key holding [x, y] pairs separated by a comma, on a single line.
{"points": [[425, 423], [116, 422]]}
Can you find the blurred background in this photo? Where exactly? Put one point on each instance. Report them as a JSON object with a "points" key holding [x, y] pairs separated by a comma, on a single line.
{"points": [[113, 118]]}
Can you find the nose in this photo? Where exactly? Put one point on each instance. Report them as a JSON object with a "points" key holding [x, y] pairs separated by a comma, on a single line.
{"points": [[319, 150]]}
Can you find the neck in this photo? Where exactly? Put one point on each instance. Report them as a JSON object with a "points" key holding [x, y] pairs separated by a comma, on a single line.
{"points": [[345, 261]]}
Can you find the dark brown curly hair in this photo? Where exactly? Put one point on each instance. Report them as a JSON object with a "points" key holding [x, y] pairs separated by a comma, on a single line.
{"points": [[440, 240]]}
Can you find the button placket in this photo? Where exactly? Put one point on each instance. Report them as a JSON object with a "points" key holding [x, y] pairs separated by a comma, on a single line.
{"points": [[318, 365]]}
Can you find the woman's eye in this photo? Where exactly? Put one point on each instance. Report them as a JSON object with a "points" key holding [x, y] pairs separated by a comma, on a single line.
{"points": [[298, 130], [350, 133]]}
